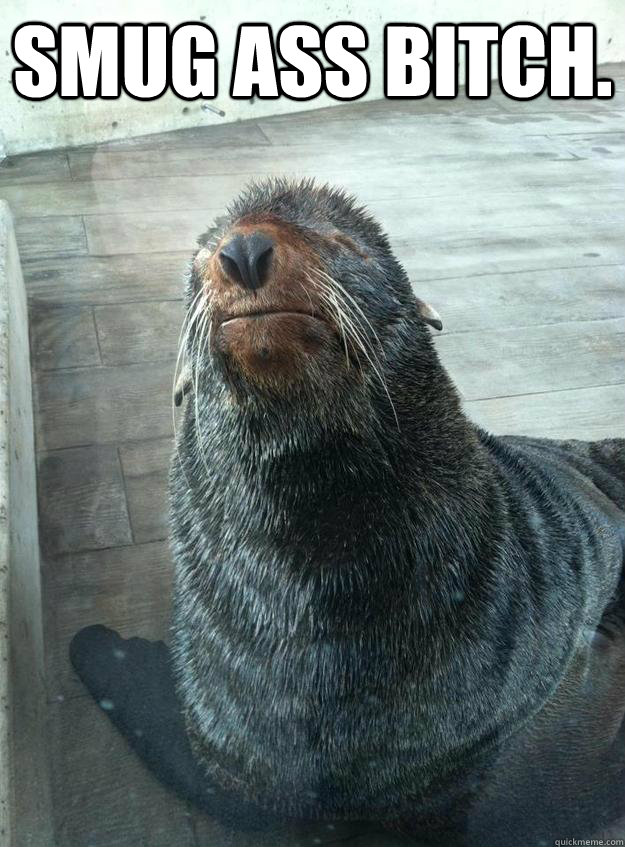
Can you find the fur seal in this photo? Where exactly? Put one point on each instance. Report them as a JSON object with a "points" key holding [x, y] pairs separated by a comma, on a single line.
{"points": [[380, 611]]}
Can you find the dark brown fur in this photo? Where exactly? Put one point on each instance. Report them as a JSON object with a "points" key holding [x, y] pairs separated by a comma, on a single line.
{"points": [[377, 603]]}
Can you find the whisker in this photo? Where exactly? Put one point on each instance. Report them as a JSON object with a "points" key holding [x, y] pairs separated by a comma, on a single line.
{"points": [[187, 323], [346, 294], [204, 322], [339, 316], [203, 350], [355, 329], [182, 351], [307, 293], [337, 309], [335, 313], [338, 290]]}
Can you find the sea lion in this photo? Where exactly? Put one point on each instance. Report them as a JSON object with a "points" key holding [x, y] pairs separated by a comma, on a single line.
{"points": [[380, 611]]}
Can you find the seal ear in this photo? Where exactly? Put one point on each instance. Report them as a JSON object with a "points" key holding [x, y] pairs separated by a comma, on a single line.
{"points": [[183, 386], [429, 314]]}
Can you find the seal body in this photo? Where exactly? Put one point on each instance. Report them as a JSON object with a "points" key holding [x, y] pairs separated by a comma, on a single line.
{"points": [[373, 598]]}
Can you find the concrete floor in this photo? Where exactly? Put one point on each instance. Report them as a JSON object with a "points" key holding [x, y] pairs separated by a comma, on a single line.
{"points": [[509, 219]]}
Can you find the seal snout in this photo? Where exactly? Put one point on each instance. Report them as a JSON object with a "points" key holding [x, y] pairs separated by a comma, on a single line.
{"points": [[246, 259], [270, 324]]}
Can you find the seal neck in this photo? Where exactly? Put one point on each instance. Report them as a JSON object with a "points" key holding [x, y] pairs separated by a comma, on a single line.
{"points": [[409, 484]]}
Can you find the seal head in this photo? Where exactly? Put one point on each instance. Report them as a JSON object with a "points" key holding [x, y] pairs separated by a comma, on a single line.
{"points": [[292, 298]]}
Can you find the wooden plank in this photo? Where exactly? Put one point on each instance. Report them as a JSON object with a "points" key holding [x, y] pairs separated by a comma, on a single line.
{"points": [[82, 503], [145, 466], [509, 251], [86, 280], [529, 180], [237, 134], [311, 159], [304, 129], [383, 119], [63, 337], [498, 212], [103, 796], [121, 196], [146, 232], [428, 217], [544, 103], [151, 332], [145, 333], [438, 179], [125, 588], [50, 236], [422, 108], [143, 234], [103, 405], [34, 167], [528, 298], [613, 70], [499, 363], [594, 145], [586, 413], [93, 280], [432, 117]]}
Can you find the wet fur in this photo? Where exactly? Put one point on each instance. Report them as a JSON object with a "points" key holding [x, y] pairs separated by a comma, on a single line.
{"points": [[366, 608]]}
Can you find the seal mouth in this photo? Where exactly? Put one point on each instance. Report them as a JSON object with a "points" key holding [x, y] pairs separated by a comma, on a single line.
{"points": [[260, 313], [271, 344]]}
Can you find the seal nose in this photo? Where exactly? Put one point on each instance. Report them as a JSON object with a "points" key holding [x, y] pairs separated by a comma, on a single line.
{"points": [[246, 259]]}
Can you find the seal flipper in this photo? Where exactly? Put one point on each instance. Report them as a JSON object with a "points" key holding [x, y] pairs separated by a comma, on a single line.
{"points": [[132, 681]]}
